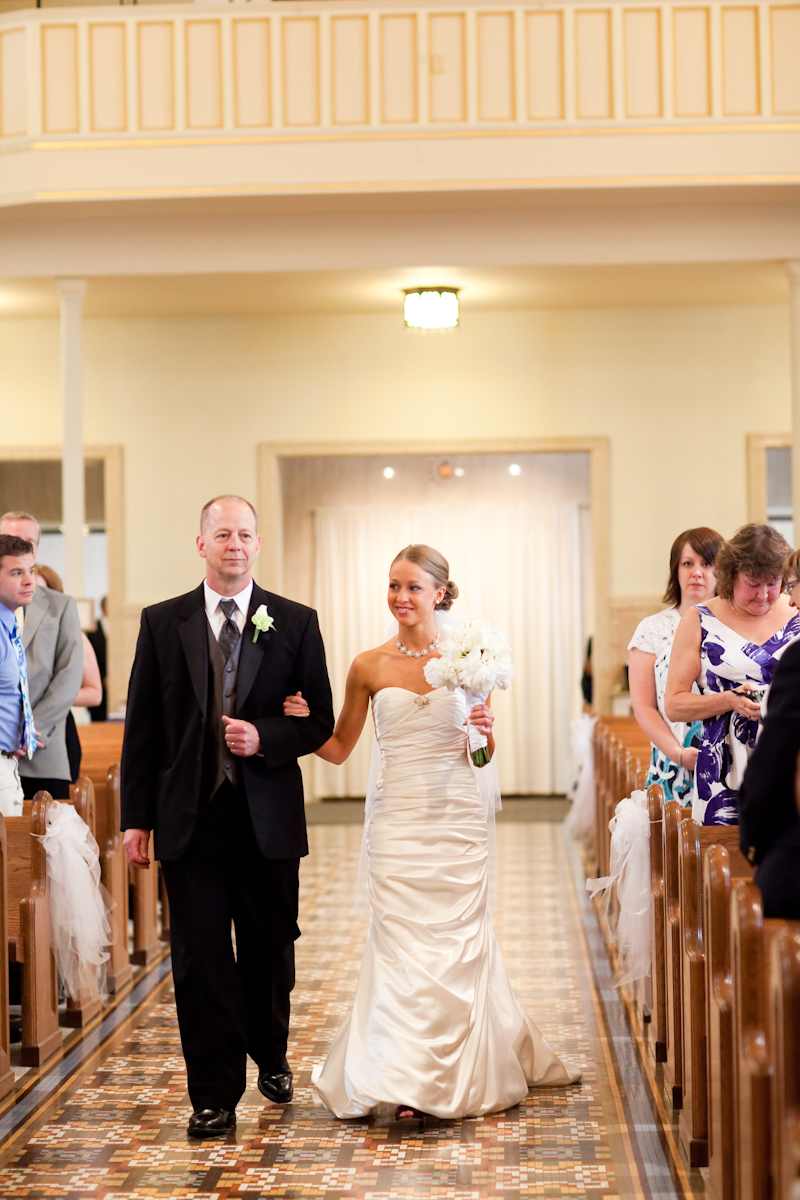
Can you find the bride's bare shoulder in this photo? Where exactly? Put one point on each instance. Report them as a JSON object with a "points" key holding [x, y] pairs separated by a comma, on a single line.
{"points": [[366, 664]]}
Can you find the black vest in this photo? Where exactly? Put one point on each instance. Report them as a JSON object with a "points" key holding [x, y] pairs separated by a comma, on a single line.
{"points": [[218, 762]]}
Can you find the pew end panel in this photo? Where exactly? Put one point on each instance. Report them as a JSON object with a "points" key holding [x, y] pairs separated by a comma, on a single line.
{"points": [[750, 935], [674, 815], [114, 876], [718, 878], [6, 1072], [784, 1016], [144, 885], [29, 931], [693, 842], [658, 969]]}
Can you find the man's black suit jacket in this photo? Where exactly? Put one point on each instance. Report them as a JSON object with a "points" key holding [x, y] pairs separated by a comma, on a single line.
{"points": [[162, 755], [767, 809]]}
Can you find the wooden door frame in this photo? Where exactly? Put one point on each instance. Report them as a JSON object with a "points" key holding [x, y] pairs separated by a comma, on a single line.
{"points": [[270, 505], [757, 446]]}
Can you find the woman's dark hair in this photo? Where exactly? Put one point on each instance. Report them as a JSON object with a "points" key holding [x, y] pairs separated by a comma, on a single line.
{"points": [[755, 550], [705, 542]]}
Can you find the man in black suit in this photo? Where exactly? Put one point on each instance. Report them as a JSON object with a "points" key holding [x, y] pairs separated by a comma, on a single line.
{"points": [[769, 820], [209, 763]]}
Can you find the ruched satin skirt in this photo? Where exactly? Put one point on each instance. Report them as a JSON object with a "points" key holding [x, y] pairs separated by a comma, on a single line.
{"points": [[435, 1024]]}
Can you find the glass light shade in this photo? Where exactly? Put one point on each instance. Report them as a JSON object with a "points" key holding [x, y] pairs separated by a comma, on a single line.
{"points": [[431, 308]]}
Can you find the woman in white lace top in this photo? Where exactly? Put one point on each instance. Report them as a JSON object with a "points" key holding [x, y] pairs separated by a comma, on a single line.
{"points": [[691, 581]]}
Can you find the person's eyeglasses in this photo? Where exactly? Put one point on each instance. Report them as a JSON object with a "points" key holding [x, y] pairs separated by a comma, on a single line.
{"points": [[791, 584]]}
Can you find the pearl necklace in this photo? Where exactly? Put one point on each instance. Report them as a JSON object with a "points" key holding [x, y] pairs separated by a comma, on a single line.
{"points": [[417, 653]]}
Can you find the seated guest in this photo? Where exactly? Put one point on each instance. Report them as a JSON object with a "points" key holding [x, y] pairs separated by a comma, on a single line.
{"points": [[51, 636], [91, 686], [768, 802], [674, 743], [729, 647], [98, 640], [17, 734]]}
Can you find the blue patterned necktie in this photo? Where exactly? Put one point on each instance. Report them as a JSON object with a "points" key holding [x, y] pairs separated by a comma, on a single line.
{"points": [[29, 738]]}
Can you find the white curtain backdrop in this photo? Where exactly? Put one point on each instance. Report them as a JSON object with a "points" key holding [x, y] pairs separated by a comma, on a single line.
{"points": [[516, 565]]}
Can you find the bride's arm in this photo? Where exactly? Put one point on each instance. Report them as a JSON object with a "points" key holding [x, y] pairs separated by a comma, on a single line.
{"points": [[351, 719]]}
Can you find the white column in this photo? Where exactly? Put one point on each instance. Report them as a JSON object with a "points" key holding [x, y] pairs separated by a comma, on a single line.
{"points": [[71, 293]]}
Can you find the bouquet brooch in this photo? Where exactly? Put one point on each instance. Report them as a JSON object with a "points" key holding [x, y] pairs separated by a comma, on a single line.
{"points": [[477, 659]]}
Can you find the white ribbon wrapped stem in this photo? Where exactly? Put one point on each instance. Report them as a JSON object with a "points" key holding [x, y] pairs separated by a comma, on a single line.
{"points": [[630, 871], [80, 929], [477, 740]]}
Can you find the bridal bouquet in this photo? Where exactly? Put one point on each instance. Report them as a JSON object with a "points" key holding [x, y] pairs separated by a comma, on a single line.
{"points": [[477, 659]]}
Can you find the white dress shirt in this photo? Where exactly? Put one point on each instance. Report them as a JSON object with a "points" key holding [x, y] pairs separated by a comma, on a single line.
{"points": [[216, 617]]}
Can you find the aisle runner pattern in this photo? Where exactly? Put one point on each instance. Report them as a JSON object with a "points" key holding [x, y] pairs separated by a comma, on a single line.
{"points": [[122, 1134]]}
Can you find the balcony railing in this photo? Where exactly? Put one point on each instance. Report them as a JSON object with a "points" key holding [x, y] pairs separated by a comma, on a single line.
{"points": [[229, 71], [310, 95]]}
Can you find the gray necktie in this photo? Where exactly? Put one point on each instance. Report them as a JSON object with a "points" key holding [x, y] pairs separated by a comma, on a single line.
{"points": [[230, 630]]}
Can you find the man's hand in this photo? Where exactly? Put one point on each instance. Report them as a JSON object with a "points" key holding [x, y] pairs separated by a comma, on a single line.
{"points": [[24, 753], [136, 843], [241, 738]]}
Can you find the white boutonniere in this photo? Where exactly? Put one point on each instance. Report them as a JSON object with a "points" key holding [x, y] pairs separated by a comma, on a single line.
{"points": [[262, 621]]}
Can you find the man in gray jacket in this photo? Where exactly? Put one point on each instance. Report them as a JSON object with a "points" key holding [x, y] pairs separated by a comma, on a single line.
{"points": [[54, 652]]}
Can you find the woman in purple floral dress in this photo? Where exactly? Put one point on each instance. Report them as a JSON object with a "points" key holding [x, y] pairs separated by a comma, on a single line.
{"points": [[730, 646]]}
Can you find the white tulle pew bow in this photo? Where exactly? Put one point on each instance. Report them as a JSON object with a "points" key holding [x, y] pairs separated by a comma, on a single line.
{"points": [[580, 820], [630, 870], [80, 929]]}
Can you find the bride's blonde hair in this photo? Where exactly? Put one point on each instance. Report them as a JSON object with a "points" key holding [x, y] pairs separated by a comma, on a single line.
{"points": [[436, 565]]}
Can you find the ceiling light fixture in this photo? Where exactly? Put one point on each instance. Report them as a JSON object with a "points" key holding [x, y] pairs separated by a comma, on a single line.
{"points": [[388, 472], [515, 469], [459, 472], [431, 308]]}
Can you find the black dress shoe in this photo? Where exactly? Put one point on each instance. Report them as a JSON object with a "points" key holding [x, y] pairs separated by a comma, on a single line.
{"points": [[211, 1122], [276, 1087]]}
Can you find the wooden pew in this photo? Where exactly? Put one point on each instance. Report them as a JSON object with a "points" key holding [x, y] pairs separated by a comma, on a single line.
{"points": [[29, 931], [83, 1008], [784, 1017], [750, 935], [674, 816], [114, 874], [718, 877], [144, 888], [658, 923], [693, 841], [101, 744], [6, 1072]]}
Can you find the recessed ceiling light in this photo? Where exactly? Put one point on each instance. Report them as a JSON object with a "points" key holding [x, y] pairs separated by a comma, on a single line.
{"points": [[515, 469], [431, 308], [459, 471], [388, 472]]}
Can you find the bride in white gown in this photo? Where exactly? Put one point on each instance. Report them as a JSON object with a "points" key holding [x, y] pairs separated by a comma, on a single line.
{"points": [[435, 1027]]}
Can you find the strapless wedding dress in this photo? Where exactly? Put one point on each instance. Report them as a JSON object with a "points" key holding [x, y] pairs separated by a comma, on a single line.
{"points": [[435, 1024]]}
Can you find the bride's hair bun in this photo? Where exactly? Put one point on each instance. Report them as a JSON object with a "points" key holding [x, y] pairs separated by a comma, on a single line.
{"points": [[436, 565], [450, 594]]}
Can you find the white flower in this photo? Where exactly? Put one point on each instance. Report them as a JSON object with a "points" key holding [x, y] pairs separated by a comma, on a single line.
{"points": [[473, 656], [262, 621]]}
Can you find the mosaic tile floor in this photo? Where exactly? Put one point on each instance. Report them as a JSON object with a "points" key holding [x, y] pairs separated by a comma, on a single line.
{"points": [[118, 1129]]}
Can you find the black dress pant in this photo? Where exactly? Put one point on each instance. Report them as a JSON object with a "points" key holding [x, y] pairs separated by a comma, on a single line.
{"points": [[58, 788], [232, 1000]]}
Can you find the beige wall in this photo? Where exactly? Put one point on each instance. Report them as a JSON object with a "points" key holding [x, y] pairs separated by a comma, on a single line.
{"points": [[676, 390]]}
